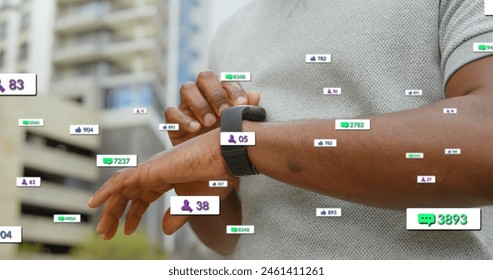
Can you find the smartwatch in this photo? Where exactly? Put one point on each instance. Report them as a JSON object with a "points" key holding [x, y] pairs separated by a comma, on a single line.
{"points": [[236, 157]]}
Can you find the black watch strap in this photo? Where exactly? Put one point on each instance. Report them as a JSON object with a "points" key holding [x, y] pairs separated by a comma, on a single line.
{"points": [[236, 157]]}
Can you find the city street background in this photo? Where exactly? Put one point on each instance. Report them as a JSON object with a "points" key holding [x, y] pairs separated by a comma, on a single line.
{"points": [[95, 62]]}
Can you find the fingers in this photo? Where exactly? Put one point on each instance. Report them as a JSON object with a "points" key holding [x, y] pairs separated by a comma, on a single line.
{"points": [[111, 232], [116, 182], [138, 208], [253, 97], [212, 89], [134, 215], [108, 223], [198, 104], [173, 223], [129, 183], [236, 94], [188, 125], [201, 103]]}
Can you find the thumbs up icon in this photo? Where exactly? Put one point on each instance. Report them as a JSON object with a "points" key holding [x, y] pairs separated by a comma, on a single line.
{"points": [[78, 130]]}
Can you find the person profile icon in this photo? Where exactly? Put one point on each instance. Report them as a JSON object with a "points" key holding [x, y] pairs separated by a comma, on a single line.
{"points": [[232, 139], [24, 182], [186, 206]]}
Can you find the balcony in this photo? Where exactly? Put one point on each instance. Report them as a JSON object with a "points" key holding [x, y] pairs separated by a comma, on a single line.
{"points": [[56, 196], [59, 162], [44, 230], [80, 22], [105, 17], [130, 78], [129, 16], [122, 48], [88, 51], [96, 50], [74, 86]]}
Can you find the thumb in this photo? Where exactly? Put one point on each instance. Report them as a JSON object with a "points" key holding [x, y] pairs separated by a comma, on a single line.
{"points": [[253, 97], [173, 223]]}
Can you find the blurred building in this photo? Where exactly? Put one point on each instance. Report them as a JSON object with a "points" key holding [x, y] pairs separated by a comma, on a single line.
{"points": [[26, 28], [65, 164], [110, 56], [99, 59]]}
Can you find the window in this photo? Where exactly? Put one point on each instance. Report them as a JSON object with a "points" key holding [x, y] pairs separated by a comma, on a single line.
{"points": [[138, 95], [84, 69], [93, 7], [3, 30], [128, 96], [77, 99], [2, 59], [25, 22], [23, 52]]}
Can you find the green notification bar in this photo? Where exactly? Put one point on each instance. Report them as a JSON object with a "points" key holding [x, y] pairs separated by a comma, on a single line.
{"points": [[107, 160], [240, 229], [428, 219], [483, 47]]}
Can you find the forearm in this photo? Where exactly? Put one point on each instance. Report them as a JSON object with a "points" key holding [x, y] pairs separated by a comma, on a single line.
{"points": [[370, 167], [211, 230]]}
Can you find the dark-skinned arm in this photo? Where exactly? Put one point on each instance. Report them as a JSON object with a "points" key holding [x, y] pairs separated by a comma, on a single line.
{"points": [[370, 167]]}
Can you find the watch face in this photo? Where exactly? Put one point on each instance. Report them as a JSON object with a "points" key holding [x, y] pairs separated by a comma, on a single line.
{"points": [[254, 113], [234, 140]]}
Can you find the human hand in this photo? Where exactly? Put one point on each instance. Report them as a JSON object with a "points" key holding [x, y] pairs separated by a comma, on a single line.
{"points": [[198, 159], [200, 108], [201, 104]]}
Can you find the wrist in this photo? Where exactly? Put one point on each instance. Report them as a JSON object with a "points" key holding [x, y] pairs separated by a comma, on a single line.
{"points": [[235, 140]]}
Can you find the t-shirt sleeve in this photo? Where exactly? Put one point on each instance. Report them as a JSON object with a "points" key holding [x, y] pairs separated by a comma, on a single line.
{"points": [[462, 23]]}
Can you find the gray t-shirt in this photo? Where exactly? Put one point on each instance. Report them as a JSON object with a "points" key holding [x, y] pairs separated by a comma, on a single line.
{"points": [[379, 50]]}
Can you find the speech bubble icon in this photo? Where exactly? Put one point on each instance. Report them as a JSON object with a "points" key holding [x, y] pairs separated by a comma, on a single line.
{"points": [[345, 124], [234, 229], [107, 160], [428, 219], [61, 218], [25, 122], [482, 47], [229, 76]]}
